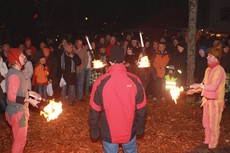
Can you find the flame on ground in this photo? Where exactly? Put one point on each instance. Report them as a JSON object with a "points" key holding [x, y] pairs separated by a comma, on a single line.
{"points": [[52, 110], [144, 62], [97, 64]]}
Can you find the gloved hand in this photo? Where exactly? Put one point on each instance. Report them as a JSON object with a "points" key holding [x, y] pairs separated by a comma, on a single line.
{"points": [[35, 95], [33, 102]]}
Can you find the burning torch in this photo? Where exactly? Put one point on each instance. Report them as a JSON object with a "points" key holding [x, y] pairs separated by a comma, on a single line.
{"points": [[97, 64], [90, 47], [144, 61], [51, 111]]}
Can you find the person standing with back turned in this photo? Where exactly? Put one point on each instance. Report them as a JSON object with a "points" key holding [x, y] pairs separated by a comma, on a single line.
{"points": [[118, 104]]}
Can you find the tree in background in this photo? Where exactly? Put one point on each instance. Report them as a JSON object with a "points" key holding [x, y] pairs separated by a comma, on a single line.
{"points": [[192, 31]]}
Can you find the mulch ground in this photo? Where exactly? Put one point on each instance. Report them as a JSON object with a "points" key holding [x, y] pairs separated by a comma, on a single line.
{"points": [[170, 128]]}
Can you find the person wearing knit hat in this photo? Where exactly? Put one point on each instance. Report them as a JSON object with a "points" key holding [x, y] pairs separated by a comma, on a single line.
{"points": [[212, 90], [15, 55], [117, 54], [204, 48], [202, 52], [116, 98], [216, 52], [17, 111]]}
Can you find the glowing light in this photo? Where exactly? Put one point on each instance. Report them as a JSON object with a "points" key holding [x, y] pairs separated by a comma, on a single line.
{"points": [[144, 62], [175, 93], [52, 110], [97, 64]]}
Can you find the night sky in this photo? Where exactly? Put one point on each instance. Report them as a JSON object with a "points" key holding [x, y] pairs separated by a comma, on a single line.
{"points": [[25, 16]]}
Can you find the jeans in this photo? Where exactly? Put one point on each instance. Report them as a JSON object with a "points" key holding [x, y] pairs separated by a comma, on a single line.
{"points": [[42, 90], [71, 93], [80, 84], [87, 73], [130, 147]]}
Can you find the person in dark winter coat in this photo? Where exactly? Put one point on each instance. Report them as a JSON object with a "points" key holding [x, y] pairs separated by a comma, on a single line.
{"points": [[179, 60], [200, 64]]}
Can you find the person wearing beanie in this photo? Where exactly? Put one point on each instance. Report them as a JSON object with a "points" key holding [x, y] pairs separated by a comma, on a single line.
{"points": [[200, 67], [212, 90], [200, 63], [17, 111], [118, 103]]}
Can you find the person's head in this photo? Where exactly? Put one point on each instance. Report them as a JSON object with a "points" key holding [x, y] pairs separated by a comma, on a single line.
{"points": [[42, 45], [28, 42], [163, 40], [46, 51], [181, 47], [128, 37], [64, 42], [93, 45], [147, 44], [162, 46], [155, 45], [21, 47], [113, 40], [102, 40], [226, 49], [42, 60], [129, 51], [78, 43], [202, 51], [171, 69], [102, 51], [107, 37], [116, 55], [69, 48], [214, 54], [125, 43], [5, 47], [175, 42], [16, 58], [28, 52], [215, 42], [134, 42]]}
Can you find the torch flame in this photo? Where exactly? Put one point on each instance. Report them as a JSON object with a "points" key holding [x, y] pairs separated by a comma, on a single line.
{"points": [[175, 93], [52, 110], [144, 62], [97, 64]]}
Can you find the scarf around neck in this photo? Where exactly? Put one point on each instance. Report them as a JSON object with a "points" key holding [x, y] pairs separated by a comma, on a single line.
{"points": [[211, 66]]}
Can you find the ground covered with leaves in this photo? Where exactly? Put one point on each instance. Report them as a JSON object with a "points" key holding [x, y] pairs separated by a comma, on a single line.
{"points": [[170, 128]]}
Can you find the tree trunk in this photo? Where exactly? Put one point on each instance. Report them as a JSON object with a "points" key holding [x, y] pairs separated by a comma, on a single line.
{"points": [[191, 44]]}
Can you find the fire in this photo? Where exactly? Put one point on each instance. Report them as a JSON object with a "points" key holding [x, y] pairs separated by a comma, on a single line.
{"points": [[97, 64], [52, 110], [144, 62], [175, 93]]}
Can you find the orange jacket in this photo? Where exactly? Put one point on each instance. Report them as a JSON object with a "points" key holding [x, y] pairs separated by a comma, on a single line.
{"points": [[40, 76], [160, 62]]}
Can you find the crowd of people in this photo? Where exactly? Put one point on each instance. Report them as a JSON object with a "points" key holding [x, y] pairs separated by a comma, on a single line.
{"points": [[72, 61], [66, 69]]}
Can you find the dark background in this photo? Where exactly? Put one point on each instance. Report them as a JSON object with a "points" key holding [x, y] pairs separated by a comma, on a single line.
{"points": [[31, 17]]}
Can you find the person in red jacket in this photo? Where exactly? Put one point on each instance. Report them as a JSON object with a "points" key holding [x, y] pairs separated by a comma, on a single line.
{"points": [[118, 103]]}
